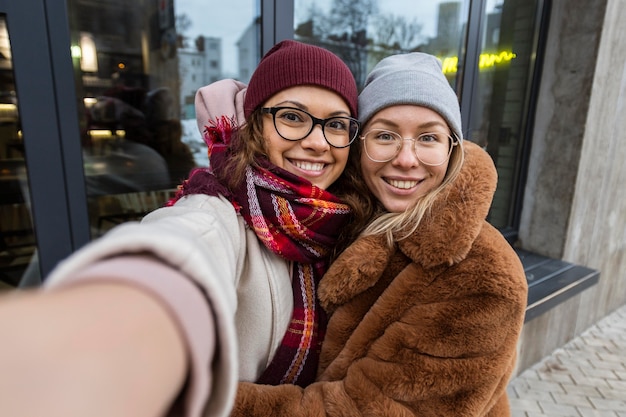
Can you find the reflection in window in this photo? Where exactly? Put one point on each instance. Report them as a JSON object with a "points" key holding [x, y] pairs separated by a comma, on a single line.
{"points": [[18, 259], [502, 103], [362, 32], [146, 61]]}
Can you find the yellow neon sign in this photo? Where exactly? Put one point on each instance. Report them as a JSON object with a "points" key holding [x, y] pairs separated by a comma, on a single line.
{"points": [[485, 61]]}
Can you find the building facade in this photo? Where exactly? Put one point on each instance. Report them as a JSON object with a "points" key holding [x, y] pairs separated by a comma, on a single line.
{"points": [[198, 64], [97, 124]]}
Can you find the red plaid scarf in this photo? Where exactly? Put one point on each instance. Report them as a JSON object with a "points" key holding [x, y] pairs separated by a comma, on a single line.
{"points": [[294, 219]]}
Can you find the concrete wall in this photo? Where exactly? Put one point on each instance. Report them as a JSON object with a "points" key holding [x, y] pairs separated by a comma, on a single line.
{"points": [[575, 200], [597, 226]]}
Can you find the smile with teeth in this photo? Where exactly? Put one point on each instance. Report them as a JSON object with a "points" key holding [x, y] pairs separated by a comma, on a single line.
{"points": [[402, 184], [308, 166]]}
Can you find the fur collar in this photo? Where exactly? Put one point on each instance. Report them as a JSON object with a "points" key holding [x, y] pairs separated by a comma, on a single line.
{"points": [[444, 237]]}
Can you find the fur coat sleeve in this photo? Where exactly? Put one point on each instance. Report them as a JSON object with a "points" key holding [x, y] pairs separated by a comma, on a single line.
{"points": [[427, 328]]}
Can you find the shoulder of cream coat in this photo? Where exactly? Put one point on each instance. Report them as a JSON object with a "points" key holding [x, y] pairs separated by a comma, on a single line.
{"points": [[221, 98]]}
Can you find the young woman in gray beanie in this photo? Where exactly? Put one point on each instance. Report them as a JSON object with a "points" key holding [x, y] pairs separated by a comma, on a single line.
{"points": [[427, 305], [165, 316]]}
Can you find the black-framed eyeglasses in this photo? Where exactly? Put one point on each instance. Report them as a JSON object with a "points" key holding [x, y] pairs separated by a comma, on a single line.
{"points": [[433, 148], [296, 124]]}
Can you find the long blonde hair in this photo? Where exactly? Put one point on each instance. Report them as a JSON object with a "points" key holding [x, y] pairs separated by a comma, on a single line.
{"points": [[398, 226]]}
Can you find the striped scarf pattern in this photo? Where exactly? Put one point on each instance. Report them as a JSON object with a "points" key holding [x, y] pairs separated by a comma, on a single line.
{"points": [[299, 222], [295, 220]]}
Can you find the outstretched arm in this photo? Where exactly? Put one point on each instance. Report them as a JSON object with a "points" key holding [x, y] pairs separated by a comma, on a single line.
{"points": [[93, 349]]}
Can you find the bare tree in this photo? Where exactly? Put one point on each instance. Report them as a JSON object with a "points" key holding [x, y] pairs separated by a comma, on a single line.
{"points": [[354, 31], [183, 23], [347, 33], [396, 33], [384, 30], [408, 34]]}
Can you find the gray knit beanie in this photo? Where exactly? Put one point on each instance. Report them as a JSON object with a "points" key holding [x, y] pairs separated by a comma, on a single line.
{"points": [[414, 78]]}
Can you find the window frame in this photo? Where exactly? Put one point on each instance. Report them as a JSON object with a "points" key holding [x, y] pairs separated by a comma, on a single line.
{"points": [[38, 33]]}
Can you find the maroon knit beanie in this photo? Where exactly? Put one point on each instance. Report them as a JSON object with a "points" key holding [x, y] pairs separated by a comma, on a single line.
{"points": [[290, 63]]}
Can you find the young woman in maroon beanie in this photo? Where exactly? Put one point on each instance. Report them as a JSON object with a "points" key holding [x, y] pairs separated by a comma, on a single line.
{"points": [[164, 317]]}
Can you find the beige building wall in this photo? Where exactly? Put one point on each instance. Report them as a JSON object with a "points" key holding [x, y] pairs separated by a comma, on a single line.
{"points": [[575, 200]]}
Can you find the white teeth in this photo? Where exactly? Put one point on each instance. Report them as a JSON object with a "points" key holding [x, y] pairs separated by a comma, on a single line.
{"points": [[309, 166], [405, 185]]}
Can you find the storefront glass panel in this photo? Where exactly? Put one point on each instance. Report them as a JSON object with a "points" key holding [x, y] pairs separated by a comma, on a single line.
{"points": [[362, 32], [138, 65], [18, 263], [502, 99]]}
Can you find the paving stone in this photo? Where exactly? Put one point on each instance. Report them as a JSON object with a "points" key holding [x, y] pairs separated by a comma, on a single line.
{"points": [[518, 413], [609, 404], [528, 406], [618, 386], [590, 412], [574, 400], [607, 374], [582, 390], [552, 409], [612, 394]]}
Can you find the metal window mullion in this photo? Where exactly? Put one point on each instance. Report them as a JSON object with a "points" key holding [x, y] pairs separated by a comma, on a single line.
{"points": [[37, 109], [469, 84], [276, 22], [67, 102]]}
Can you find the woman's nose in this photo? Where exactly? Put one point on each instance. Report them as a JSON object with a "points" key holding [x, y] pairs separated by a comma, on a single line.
{"points": [[316, 140], [406, 157]]}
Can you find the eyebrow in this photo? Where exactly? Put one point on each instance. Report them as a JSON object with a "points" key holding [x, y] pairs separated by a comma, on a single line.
{"points": [[425, 125], [304, 107]]}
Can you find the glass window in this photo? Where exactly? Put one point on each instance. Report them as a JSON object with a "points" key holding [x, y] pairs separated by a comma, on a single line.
{"points": [[138, 65], [501, 101], [362, 32], [18, 259]]}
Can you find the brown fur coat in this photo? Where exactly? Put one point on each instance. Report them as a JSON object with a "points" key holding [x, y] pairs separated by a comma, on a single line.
{"points": [[428, 328]]}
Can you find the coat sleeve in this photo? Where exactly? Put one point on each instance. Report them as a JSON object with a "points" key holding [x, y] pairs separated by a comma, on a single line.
{"points": [[318, 399], [352, 396], [199, 244]]}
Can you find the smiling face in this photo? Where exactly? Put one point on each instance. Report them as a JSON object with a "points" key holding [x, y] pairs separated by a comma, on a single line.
{"points": [[312, 157], [400, 182]]}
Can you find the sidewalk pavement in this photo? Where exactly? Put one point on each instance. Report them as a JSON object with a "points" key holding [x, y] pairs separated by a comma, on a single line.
{"points": [[584, 378]]}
